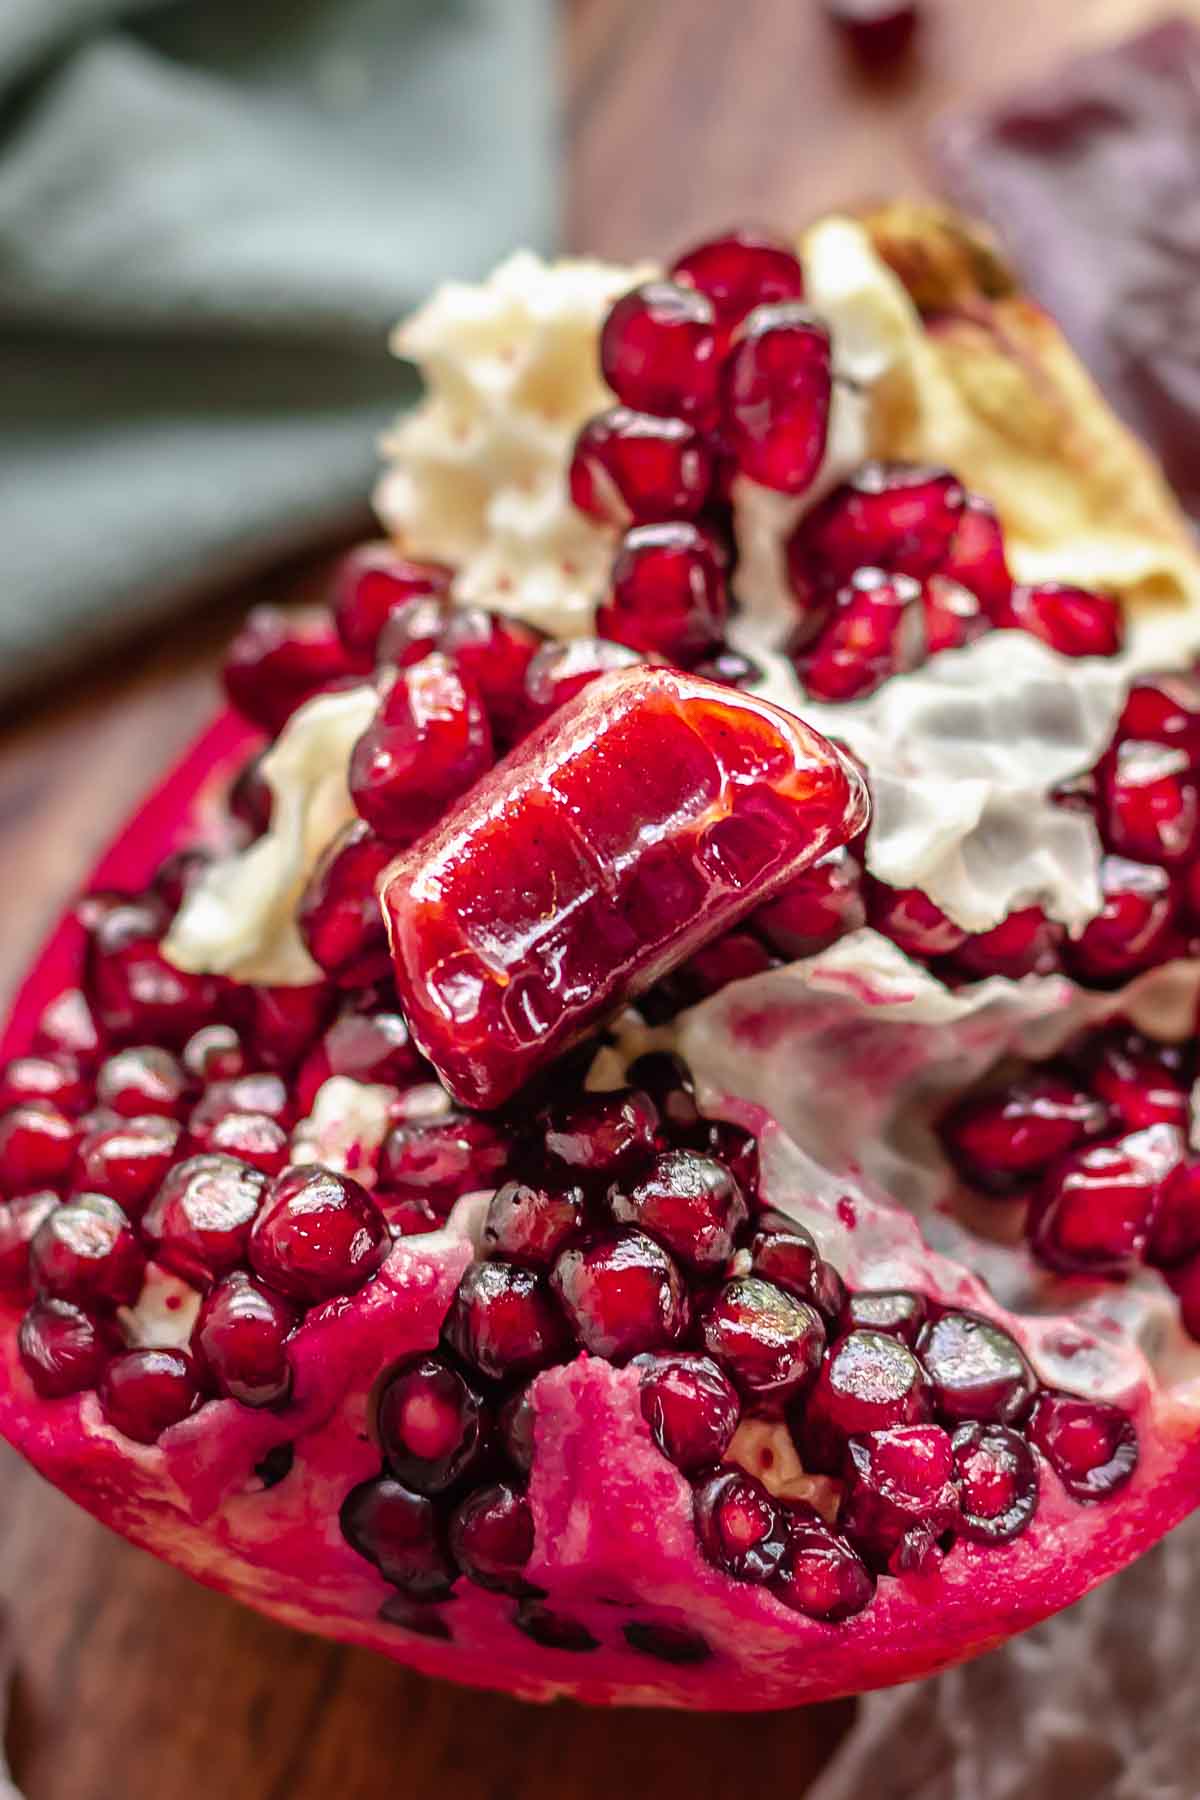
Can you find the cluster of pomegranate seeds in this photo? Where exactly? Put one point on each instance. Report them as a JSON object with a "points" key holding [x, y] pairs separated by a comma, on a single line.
{"points": [[279, 660]]}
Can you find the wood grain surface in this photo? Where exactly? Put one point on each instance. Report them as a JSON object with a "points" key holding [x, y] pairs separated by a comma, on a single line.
{"points": [[132, 1682]]}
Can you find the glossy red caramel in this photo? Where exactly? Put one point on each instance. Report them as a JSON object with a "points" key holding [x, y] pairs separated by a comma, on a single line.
{"points": [[645, 818]]}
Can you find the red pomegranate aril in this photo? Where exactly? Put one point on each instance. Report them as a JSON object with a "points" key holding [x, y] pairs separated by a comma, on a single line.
{"points": [[729, 666], [785, 1253], [631, 468], [975, 558], [1164, 709], [602, 1133], [1175, 1228], [443, 1159], [976, 1370], [1091, 1446], [63, 1348], [400, 1533], [738, 271], [493, 653], [144, 1392], [874, 631], [240, 1340], [37, 1147], [690, 1405], [668, 1080], [768, 1342], [141, 1081], [412, 633], [140, 997], [894, 1311], [740, 1528], [869, 1381], [1136, 1080], [504, 1323], [433, 1426], [280, 660], [20, 1219], [369, 583], [816, 909], [214, 1053], [823, 1577], [428, 743], [261, 1091], [127, 1161], [87, 1252], [372, 1046], [899, 1496], [621, 1294], [67, 1029], [953, 616], [1151, 804], [1000, 1141], [516, 1422], [586, 887], [658, 352], [735, 957], [114, 920], [560, 671], [1072, 620], [776, 391], [1094, 1208], [282, 1025], [58, 1081], [668, 593], [688, 1202], [491, 1538], [250, 1138], [251, 801], [900, 517], [877, 31], [530, 1224], [198, 1224], [912, 921], [998, 1485], [339, 916], [1132, 929], [1024, 943], [317, 1235]]}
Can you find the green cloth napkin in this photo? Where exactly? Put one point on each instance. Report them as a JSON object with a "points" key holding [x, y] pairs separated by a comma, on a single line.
{"points": [[210, 213]]}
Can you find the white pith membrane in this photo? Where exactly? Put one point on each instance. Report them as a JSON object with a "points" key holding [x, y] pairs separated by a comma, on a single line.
{"points": [[838, 1063]]}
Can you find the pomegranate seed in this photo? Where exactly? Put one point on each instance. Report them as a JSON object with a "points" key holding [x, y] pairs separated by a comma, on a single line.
{"points": [[198, 1223], [816, 909], [412, 633], [250, 1138], [912, 921], [429, 741], [868, 1382], [516, 1423], [262, 1092], [55, 1080], [1164, 709], [953, 617], [115, 920], [139, 1082], [602, 1134], [373, 1047], [690, 1406], [667, 1643], [278, 661], [1024, 943], [658, 352], [532, 1224], [877, 31], [895, 516], [317, 1234], [776, 390], [1135, 1078], [621, 1293], [214, 1053], [492, 655], [179, 873], [630, 468], [504, 1323], [738, 271], [739, 1526], [442, 1160], [1131, 930], [1093, 1211], [560, 671], [1072, 620], [86, 1252], [63, 1349], [140, 997], [667, 1079], [999, 1141], [769, 1342], [491, 1538], [37, 1147], [823, 1577], [67, 1029], [369, 583], [975, 1370], [400, 1533], [735, 957], [283, 1023], [251, 801], [240, 1340], [1091, 1446], [690, 1203], [144, 1392], [19, 1222], [432, 1426], [975, 557], [127, 1161], [900, 1495], [874, 631], [1150, 804], [729, 666], [997, 1476], [339, 916], [893, 1311], [1175, 1228], [783, 1252], [668, 592], [552, 1630]]}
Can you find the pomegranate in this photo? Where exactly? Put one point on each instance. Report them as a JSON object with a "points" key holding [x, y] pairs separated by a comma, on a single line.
{"points": [[539, 1229]]}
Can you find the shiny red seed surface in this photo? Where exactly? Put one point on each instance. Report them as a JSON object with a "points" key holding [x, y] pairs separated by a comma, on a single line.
{"points": [[776, 392], [658, 352], [339, 916], [369, 583], [740, 270], [876, 630], [630, 468], [668, 593], [279, 660], [429, 741]]}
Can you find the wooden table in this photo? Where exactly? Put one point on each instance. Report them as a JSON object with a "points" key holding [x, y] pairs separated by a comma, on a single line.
{"points": [[133, 1683]]}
